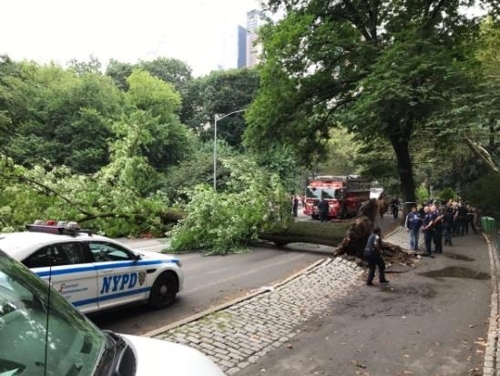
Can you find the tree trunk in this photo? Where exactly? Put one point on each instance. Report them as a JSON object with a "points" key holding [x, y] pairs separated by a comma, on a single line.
{"points": [[329, 233], [400, 144]]}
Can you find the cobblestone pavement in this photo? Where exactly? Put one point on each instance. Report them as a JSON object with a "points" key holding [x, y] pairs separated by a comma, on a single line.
{"points": [[238, 334]]}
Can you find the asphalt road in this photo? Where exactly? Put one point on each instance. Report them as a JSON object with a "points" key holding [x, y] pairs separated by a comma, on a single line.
{"points": [[209, 281]]}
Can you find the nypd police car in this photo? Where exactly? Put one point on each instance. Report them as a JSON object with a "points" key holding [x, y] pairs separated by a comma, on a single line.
{"points": [[95, 272]]}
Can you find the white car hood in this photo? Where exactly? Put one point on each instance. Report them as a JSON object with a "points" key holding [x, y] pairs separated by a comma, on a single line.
{"points": [[157, 357], [149, 255]]}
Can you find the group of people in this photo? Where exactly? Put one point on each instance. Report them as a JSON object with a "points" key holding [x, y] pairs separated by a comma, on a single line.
{"points": [[438, 223]]}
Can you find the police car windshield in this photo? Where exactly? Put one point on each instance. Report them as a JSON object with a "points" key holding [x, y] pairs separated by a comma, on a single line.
{"points": [[41, 333]]}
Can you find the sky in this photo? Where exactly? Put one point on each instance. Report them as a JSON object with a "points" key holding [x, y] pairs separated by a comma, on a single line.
{"points": [[201, 33]]}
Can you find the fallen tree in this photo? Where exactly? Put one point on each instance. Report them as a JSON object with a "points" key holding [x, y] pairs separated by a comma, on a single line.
{"points": [[349, 237], [328, 233]]}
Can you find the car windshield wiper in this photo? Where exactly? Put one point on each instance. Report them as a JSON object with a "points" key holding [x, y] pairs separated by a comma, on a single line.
{"points": [[111, 356]]}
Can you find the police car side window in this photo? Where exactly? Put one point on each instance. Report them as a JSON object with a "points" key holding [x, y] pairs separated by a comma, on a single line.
{"points": [[103, 251], [74, 252], [47, 256]]}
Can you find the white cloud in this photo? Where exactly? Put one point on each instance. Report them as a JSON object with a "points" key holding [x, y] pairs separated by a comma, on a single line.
{"points": [[126, 30]]}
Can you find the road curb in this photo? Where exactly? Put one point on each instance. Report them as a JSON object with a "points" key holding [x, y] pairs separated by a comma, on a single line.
{"points": [[222, 306], [491, 354]]}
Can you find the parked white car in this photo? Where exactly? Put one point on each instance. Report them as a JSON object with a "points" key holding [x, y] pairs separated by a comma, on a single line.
{"points": [[43, 334], [95, 272]]}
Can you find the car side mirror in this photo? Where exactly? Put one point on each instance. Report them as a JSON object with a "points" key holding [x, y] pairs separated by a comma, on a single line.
{"points": [[137, 257]]}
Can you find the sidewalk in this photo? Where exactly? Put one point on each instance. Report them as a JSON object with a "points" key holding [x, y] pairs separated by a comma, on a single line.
{"points": [[325, 321]]}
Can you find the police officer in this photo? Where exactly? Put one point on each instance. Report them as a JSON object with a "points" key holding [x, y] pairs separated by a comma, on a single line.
{"points": [[373, 254], [428, 232], [448, 225], [395, 207], [437, 229], [323, 208]]}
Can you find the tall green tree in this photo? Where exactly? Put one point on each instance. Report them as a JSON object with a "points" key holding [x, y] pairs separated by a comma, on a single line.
{"points": [[170, 70], [119, 73], [58, 116], [380, 68], [153, 106], [221, 93]]}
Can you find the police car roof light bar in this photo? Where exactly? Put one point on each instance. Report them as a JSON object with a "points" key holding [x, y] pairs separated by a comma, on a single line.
{"points": [[58, 230]]}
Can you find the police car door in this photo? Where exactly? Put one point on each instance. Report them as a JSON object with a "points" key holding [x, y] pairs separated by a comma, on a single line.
{"points": [[120, 276], [70, 271]]}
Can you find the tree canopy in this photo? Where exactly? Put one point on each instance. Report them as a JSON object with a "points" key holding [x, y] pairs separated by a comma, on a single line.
{"points": [[381, 68]]}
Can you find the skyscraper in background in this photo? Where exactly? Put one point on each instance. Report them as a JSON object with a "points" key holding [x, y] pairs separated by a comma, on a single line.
{"points": [[254, 20], [242, 47]]}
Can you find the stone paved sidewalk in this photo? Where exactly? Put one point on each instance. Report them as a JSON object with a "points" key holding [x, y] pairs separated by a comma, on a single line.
{"points": [[240, 334]]}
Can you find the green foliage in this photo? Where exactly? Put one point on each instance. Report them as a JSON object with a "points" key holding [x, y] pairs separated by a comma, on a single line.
{"points": [[281, 161], [171, 71], [198, 169], [422, 194], [483, 195], [165, 141], [221, 93], [342, 153], [448, 194], [57, 116], [229, 221], [147, 92], [97, 203]]}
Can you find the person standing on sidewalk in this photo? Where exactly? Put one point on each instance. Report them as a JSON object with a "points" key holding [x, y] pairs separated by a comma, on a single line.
{"points": [[373, 254], [413, 223], [395, 207], [295, 206], [437, 229], [323, 208], [461, 218], [427, 229], [471, 219], [448, 218]]}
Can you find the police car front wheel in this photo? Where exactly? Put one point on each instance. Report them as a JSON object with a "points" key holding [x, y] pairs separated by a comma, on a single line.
{"points": [[163, 291]]}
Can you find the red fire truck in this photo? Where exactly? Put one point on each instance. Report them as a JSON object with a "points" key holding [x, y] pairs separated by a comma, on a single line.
{"points": [[344, 194]]}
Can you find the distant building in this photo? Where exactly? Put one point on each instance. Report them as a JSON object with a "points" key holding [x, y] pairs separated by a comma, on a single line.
{"points": [[254, 21], [242, 47]]}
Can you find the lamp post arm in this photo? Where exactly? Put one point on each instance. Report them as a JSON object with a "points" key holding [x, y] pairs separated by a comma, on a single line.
{"points": [[216, 119], [226, 115]]}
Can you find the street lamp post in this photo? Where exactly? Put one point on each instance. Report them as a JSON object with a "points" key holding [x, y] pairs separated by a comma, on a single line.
{"points": [[216, 119]]}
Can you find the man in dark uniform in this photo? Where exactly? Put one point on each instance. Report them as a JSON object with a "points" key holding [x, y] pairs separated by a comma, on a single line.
{"points": [[448, 225], [471, 215], [395, 207], [428, 233], [324, 209], [295, 206], [373, 254], [437, 229], [461, 218]]}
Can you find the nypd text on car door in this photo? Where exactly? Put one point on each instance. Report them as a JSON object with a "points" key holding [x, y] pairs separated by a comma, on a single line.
{"points": [[121, 275]]}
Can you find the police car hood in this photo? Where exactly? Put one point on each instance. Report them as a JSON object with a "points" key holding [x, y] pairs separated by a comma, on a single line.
{"points": [[149, 255], [157, 357]]}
